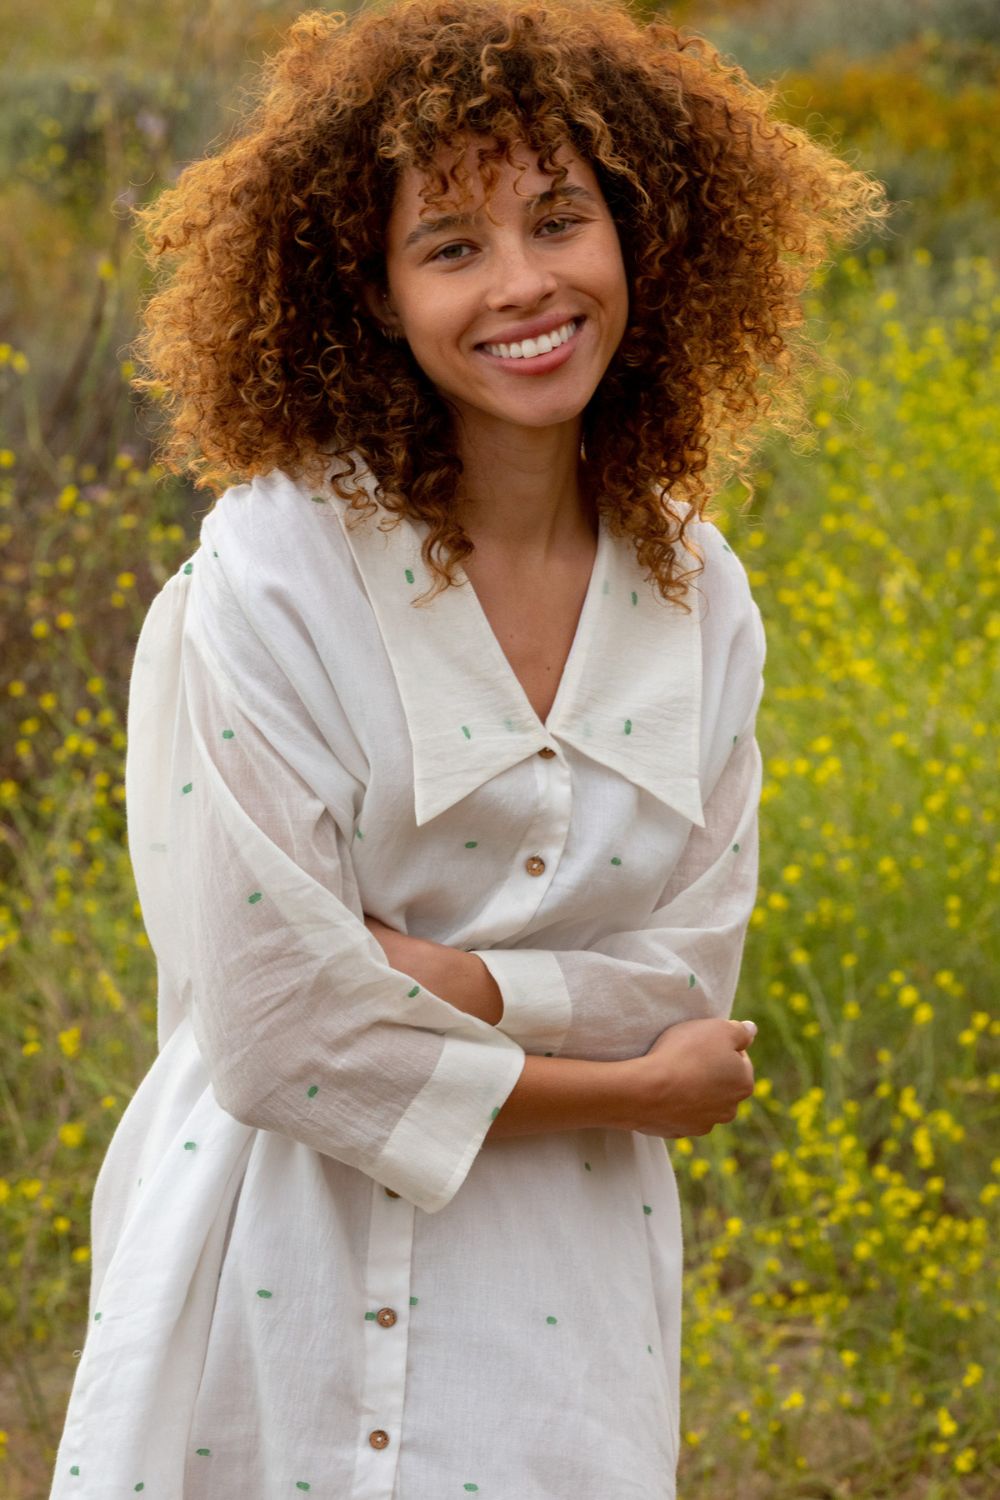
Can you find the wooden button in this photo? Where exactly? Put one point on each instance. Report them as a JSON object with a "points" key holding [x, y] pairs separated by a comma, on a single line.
{"points": [[385, 1316], [535, 865], [547, 752], [390, 1194], [378, 1438]]}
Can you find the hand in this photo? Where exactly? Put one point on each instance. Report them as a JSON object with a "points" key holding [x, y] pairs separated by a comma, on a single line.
{"points": [[693, 1077]]}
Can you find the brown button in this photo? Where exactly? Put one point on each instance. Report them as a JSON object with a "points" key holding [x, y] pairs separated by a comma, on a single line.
{"points": [[547, 752], [385, 1316], [390, 1194], [535, 865], [378, 1438]]}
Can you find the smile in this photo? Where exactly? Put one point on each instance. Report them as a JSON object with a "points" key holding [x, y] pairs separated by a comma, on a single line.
{"points": [[532, 348]]}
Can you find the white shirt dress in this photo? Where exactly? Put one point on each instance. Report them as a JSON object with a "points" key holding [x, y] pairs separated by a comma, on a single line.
{"points": [[311, 1274]]}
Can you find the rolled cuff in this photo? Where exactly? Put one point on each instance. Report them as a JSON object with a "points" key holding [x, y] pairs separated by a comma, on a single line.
{"points": [[537, 1009]]}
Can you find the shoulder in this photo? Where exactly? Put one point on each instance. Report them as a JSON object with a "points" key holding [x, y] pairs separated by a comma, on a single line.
{"points": [[722, 596]]}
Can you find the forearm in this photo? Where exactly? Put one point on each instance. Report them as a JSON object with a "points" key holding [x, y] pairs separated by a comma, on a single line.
{"points": [[558, 1093]]}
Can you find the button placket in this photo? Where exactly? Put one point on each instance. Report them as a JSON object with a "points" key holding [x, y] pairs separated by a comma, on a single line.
{"points": [[387, 1296]]}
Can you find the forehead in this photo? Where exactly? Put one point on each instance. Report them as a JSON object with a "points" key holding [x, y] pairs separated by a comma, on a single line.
{"points": [[459, 177]]}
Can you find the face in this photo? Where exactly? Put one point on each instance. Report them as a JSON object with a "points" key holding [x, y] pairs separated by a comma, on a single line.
{"points": [[469, 284]]}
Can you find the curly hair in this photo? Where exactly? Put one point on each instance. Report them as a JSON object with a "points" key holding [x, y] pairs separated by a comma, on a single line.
{"points": [[261, 349]]}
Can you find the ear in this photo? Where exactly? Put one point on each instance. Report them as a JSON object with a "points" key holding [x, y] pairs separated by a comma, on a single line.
{"points": [[382, 310]]}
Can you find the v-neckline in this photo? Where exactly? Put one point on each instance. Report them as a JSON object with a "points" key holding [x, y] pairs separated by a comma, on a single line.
{"points": [[572, 666]]}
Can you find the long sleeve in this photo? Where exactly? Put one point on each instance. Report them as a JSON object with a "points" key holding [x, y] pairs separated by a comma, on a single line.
{"points": [[239, 830], [612, 1000]]}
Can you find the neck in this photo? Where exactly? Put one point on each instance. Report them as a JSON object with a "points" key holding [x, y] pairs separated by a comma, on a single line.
{"points": [[521, 492]]}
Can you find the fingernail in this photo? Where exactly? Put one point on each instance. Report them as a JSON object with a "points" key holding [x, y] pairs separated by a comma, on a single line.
{"points": [[751, 1027]]}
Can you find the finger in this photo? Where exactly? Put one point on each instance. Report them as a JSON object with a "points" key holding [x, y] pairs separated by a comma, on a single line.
{"points": [[743, 1033]]}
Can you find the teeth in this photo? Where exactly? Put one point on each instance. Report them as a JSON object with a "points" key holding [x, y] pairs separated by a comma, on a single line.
{"points": [[529, 348]]}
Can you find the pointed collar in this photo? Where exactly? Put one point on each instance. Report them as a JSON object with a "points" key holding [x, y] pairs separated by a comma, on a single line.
{"points": [[629, 698]]}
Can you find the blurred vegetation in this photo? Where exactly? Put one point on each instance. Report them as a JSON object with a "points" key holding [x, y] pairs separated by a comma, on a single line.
{"points": [[842, 1310]]}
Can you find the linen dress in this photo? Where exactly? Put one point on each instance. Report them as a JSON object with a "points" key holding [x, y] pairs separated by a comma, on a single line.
{"points": [[310, 1273]]}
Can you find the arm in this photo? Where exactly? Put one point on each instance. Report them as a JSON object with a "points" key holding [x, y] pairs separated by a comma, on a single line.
{"points": [[611, 1001], [244, 878]]}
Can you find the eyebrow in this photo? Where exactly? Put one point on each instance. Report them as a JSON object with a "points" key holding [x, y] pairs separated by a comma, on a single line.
{"points": [[448, 222]]}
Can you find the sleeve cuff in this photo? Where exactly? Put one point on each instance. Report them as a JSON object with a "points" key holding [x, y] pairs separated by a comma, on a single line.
{"points": [[428, 1155], [537, 1009]]}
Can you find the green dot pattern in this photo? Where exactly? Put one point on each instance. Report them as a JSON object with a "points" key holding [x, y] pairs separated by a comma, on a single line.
{"points": [[97, 1317], [139, 1486], [735, 738], [628, 726], [726, 547], [615, 860], [472, 844], [646, 1208], [414, 1301], [635, 597], [227, 734], [188, 787], [203, 1452], [550, 1319], [255, 897], [313, 1090], [494, 1113], [358, 834], [369, 1317], [587, 1166], [691, 981], [409, 575], [75, 1469], [736, 848], [263, 1292], [470, 1486], [302, 1484], [318, 500], [189, 567], [415, 991], [190, 1145], [467, 731]]}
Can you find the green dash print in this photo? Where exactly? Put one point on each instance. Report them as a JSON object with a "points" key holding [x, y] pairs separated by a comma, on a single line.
{"points": [[318, 500], [188, 787], [227, 734], [75, 1469], [691, 981], [735, 738], [415, 991], [203, 1452], [646, 1208], [628, 726], [263, 1293], [550, 1054], [726, 547], [409, 575], [215, 554], [302, 1484], [139, 1486], [649, 1348], [615, 860], [190, 1145], [587, 1166], [494, 1113], [97, 1317], [254, 898], [736, 848], [472, 844], [467, 732], [188, 567], [414, 1301], [509, 724], [358, 834], [635, 597], [369, 1317], [313, 1090], [470, 1487], [607, 587], [551, 1319]]}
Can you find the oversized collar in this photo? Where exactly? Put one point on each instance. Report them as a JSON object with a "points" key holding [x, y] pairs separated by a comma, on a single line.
{"points": [[629, 697]]}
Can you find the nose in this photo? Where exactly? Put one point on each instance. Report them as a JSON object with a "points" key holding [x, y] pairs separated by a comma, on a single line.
{"points": [[518, 276]]}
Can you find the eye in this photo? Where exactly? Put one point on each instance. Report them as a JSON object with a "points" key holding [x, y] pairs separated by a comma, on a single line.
{"points": [[440, 254], [560, 224]]}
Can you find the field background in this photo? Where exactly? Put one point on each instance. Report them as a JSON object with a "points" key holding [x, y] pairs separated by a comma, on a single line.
{"points": [[842, 1304]]}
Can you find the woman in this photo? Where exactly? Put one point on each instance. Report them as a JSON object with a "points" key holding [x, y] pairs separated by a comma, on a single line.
{"points": [[442, 780]]}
